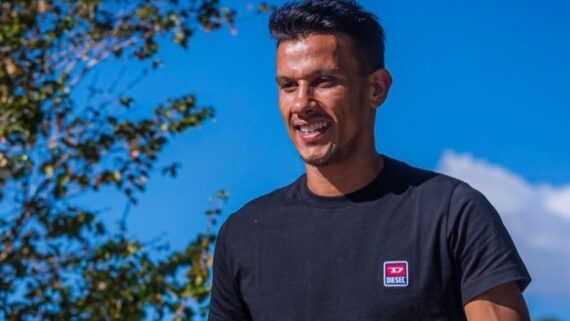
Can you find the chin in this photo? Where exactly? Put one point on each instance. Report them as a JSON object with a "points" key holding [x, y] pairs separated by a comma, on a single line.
{"points": [[318, 160]]}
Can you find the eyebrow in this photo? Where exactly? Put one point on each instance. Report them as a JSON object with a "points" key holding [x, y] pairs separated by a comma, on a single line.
{"points": [[320, 72]]}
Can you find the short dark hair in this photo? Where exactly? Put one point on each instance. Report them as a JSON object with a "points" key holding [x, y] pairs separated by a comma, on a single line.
{"points": [[295, 20]]}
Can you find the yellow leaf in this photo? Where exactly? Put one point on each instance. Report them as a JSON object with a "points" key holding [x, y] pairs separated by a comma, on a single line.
{"points": [[117, 176], [11, 68]]}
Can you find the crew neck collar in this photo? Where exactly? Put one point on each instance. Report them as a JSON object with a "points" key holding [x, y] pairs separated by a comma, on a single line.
{"points": [[367, 193]]}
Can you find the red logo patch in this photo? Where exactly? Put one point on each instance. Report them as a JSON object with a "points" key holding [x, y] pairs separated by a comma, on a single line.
{"points": [[396, 273]]}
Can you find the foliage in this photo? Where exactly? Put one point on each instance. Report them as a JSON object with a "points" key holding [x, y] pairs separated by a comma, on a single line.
{"points": [[58, 260]]}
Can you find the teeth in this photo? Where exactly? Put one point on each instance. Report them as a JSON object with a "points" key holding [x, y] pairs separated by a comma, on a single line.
{"points": [[313, 127]]}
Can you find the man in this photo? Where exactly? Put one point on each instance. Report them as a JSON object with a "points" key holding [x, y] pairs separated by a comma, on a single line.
{"points": [[361, 236]]}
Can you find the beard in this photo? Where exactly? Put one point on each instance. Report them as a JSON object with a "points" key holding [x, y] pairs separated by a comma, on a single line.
{"points": [[334, 155], [319, 162]]}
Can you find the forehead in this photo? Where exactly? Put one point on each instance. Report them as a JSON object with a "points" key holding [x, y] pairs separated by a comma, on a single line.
{"points": [[316, 51]]}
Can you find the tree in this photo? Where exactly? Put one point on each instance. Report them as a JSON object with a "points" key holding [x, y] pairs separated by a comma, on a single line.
{"points": [[58, 260]]}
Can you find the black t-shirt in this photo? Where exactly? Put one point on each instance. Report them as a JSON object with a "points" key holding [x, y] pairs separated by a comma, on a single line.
{"points": [[412, 245]]}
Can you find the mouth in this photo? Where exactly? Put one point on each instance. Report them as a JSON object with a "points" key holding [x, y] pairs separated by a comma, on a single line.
{"points": [[311, 131]]}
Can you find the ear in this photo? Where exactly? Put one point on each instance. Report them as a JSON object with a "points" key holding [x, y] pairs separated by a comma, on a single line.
{"points": [[379, 82]]}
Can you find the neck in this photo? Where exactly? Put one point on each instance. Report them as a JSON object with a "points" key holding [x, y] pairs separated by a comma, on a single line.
{"points": [[345, 177]]}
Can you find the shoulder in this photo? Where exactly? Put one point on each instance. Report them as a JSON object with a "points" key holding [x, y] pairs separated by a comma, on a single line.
{"points": [[431, 190], [465, 210], [267, 203], [406, 176]]}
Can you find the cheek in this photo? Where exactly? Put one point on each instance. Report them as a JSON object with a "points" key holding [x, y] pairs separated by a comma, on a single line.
{"points": [[353, 117], [333, 101], [342, 105], [286, 116], [283, 108]]}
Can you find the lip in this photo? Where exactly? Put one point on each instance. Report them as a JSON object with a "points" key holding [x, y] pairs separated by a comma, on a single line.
{"points": [[314, 136], [300, 122]]}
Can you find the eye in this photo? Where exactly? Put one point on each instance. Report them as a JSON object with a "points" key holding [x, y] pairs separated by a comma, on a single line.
{"points": [[324, 82], [288, 86]]}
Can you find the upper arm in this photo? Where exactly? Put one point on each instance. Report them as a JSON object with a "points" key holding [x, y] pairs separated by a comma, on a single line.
{"points": [[226, 303], [502, 303], [484, 254]]}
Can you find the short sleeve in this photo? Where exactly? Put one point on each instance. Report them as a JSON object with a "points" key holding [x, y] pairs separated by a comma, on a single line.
{"points": [[483, 251], [226, 303]]}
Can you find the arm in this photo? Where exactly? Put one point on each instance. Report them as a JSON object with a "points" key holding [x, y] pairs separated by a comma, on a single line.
{"points": [[491, 274], [502, 303], [226, 303]]}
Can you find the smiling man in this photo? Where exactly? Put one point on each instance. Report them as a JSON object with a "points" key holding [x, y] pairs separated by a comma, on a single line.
{"points": [[360, 236]]}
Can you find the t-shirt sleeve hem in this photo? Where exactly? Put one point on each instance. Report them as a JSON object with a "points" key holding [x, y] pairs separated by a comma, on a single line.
{"points": [[482, 285]]}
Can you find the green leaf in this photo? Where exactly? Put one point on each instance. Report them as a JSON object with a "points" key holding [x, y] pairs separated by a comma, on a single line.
{"points": [[126, 101], [60, 260]]}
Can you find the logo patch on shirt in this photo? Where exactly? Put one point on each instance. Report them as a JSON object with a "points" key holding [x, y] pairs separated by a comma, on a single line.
{"points": [[396, 273]]}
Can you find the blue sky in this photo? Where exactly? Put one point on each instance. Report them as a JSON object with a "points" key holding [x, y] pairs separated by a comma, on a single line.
{"points": [[479, 87]]}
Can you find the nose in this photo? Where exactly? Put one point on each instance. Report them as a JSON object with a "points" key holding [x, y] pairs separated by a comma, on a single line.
{"points": [[303, 103]]}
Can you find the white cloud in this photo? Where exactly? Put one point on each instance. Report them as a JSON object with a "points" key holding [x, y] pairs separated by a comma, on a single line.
{"points": [[537, 216], [558, 201]]}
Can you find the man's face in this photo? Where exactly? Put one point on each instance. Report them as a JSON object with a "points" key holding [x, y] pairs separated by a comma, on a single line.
{"points": [[323, 98]]}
